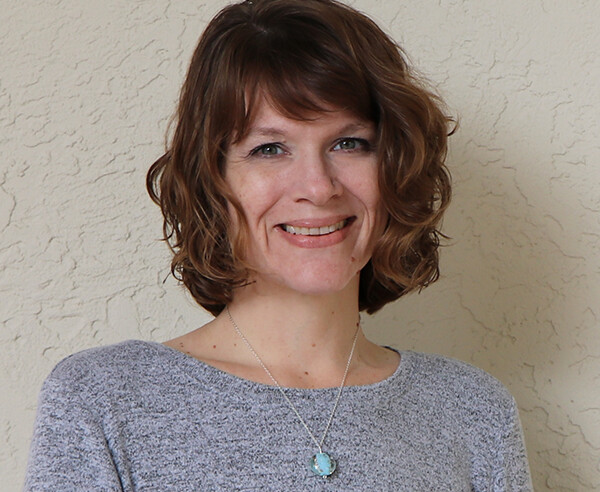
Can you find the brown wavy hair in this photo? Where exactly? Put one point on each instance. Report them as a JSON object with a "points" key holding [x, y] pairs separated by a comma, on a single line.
{"points": [[306, 56]]}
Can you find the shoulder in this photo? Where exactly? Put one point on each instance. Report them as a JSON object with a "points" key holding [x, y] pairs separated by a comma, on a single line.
{"points": [[94, 373], [458, 386], [104, 360], [449, 370]]}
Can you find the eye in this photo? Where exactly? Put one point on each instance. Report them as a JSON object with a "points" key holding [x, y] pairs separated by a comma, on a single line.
{"points": [[350, 144], [267, 150]]}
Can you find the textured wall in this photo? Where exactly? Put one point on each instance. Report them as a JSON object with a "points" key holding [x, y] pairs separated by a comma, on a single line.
{"points": [[86, 90]]}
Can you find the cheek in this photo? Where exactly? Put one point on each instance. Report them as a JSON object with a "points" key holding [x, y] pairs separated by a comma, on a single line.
{"points": [[367, 191], [363, 180], [242, 193], [375, 208], [249, 227], [256, 192]]}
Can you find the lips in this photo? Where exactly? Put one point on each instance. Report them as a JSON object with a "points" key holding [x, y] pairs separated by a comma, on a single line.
{"points": [[315, 231]]}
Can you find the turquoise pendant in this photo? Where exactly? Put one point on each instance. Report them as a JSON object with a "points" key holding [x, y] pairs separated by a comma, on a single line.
{"points": [[322, 464]]}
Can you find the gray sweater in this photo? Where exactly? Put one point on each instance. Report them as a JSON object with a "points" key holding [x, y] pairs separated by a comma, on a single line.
{"points": [[142, 416]]}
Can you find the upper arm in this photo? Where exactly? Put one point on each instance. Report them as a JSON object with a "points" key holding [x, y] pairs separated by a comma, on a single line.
{"points": [[69, 450], [511, 473]]}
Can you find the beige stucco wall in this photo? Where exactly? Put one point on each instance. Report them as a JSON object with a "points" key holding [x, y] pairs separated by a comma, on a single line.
{"points": [[86, 90]]}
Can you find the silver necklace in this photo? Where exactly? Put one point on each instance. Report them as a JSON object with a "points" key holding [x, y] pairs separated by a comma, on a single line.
{"points": [[320, 463]]}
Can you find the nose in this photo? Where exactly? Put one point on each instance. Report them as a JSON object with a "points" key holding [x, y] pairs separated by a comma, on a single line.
{"points": [[317, 179]]}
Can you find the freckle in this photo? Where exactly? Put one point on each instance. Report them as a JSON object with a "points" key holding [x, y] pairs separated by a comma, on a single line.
{"points": [[214, 346], [306, 372], [235, 344], [181, 344], [314, 344], [352, 259]]}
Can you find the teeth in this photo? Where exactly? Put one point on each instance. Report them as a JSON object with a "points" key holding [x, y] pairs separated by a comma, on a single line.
{"points": [[314, 231]]}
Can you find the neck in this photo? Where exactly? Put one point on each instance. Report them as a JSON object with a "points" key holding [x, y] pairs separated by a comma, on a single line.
{"points": [[296, 334], [304, 340]]}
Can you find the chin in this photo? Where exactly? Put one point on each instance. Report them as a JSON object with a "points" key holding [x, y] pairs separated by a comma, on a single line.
{"points": [[318, 283]]}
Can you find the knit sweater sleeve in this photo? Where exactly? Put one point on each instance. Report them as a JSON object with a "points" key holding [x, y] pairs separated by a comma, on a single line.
{"points": [[512, 470], [69, 450]]}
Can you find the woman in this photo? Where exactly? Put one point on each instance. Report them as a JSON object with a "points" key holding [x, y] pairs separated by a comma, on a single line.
{"points": [[304, 183]]}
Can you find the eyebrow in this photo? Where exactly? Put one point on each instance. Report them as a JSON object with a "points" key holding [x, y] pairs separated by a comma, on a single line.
{"points": [[265, 131], [273, 131]]}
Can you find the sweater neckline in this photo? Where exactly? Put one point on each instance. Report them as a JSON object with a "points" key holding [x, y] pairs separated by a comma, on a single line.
{"points": [[203, 371]]}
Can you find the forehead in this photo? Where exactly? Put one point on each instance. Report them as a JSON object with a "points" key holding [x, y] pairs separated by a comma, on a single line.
{"points": [[268, 118]]}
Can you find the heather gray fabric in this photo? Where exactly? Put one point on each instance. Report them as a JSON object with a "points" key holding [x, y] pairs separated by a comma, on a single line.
{"points": [[142, 416]]}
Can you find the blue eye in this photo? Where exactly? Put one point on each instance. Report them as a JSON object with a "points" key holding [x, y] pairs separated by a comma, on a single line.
{"points": [[267, 150], [350, 144]]}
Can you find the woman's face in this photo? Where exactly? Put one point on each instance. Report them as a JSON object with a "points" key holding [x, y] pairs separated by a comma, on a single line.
{"points": [[310, 195]]}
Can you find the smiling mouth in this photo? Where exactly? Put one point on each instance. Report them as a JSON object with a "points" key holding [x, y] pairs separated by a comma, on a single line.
{"points": [[316, 231]]}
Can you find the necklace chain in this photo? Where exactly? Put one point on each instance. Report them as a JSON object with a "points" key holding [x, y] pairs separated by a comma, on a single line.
{"points": [[289, 402]]}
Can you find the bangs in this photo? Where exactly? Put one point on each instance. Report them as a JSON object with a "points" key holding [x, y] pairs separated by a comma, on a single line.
{"points": [[300, 73]]}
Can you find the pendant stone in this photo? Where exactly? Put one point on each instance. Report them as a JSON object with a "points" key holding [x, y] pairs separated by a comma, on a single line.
{"points": [[322, 464]]}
